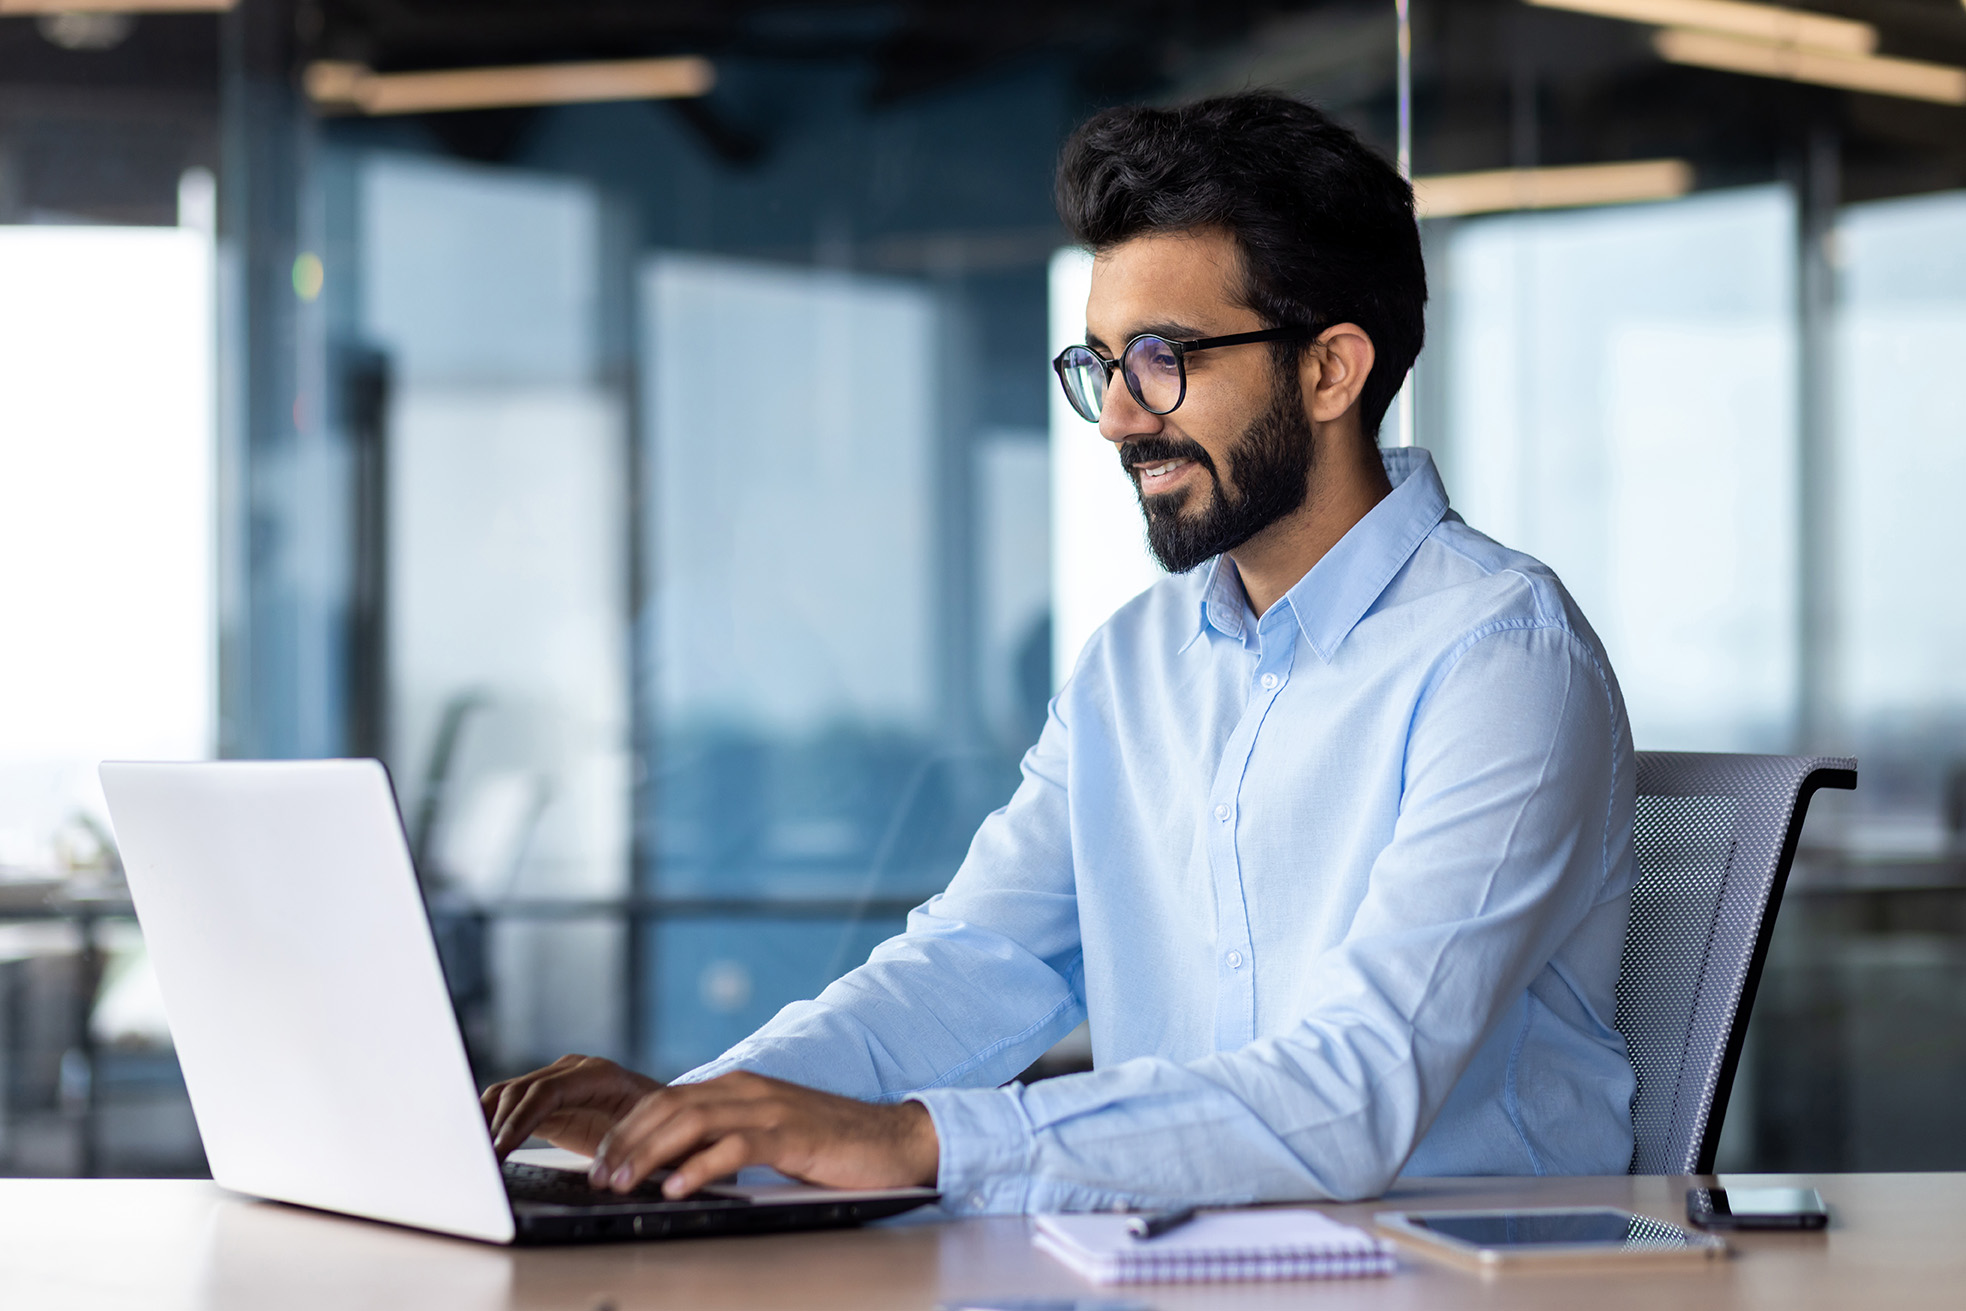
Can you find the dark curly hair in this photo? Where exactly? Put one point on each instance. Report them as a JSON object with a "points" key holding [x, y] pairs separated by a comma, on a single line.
{"points": [[1324, 223]]}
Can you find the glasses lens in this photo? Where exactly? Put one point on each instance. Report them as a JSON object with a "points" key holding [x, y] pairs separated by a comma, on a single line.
{"points": [[1153, 374], [1084, 377]]}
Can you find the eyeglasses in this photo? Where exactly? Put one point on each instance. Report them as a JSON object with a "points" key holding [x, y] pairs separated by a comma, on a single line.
{"points": [[1156, 369]]}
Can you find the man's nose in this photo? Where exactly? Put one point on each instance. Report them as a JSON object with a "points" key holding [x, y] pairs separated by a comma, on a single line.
{"points": [[1123, 419]]}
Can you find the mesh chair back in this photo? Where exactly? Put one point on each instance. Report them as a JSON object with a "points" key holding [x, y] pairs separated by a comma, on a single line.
{"points": [[1714, 836]]}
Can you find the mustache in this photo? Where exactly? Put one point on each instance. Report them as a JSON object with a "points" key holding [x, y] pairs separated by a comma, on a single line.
{"points": [[1158, 450]]}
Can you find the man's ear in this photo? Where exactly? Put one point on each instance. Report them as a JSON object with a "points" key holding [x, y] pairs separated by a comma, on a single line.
{"points": [[1334, 370]]}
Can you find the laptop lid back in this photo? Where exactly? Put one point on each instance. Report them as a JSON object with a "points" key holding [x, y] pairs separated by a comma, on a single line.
{"points": [[311, 1019]]}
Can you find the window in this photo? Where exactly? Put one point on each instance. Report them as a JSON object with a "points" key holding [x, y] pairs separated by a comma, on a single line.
{"points": [[107, 522], [1618, 400]]}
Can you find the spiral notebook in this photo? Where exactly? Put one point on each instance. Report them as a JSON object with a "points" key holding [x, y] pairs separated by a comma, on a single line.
{"points": [[1270, 1243]]}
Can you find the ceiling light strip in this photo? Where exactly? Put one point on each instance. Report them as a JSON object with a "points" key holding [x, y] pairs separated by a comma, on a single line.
{"points": [[1773, 24], [341, 86], [1908, 78], [1451, 195], [115, 6]]}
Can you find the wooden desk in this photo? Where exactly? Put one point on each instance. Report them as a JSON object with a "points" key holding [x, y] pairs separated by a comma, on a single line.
{"points": [[1896, 1242]]}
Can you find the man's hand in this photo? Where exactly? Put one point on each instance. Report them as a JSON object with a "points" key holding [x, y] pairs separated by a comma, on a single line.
{"points": [[708, 1130], [572, 1103]]}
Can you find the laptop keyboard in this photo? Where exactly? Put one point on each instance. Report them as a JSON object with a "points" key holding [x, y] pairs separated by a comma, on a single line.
{"points": [[556, 1187]]}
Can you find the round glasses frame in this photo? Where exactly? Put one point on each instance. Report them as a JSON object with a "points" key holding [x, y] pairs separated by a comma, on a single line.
{"points": [[1082, 360]]}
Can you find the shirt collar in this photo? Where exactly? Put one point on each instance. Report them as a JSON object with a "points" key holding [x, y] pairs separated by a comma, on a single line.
{"points": [[1224, 607], [1329, 601]]}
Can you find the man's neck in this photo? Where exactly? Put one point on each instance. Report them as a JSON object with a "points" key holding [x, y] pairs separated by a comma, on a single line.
{"points": [[1347, 480]]}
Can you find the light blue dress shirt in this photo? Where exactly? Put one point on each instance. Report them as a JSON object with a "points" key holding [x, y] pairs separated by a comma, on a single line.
{"points": [[1342, 891]]}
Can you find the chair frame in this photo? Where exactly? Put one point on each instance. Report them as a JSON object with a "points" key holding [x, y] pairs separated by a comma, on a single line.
{"points": [[1824, 772]]}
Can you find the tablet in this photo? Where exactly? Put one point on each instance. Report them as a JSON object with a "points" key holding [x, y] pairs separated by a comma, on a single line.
{"points": [[1544, 1236]]}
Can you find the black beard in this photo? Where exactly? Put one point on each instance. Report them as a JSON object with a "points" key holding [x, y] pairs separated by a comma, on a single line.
{"points": [[1272, 465]]}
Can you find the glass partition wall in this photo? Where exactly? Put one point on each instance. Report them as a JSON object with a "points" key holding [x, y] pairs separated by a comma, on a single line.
{"points": [[717, 591], [1620, 393], [1628, 393]]}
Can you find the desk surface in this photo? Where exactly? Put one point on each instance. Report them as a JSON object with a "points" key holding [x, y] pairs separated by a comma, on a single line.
{"points": [[1895, 1241]]}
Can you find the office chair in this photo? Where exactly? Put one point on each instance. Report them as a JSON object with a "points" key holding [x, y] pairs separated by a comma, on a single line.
{"points": [[1715, 836]]}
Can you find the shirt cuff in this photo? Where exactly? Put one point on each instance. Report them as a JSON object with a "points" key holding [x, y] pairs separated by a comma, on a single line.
{"points": [[986, 1144]]}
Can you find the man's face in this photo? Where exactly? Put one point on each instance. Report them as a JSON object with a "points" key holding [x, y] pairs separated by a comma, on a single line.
{"points": [[1236, 455]]}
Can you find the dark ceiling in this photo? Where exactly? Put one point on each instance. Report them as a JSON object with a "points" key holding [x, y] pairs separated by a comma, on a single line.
{"points": [[915, 46], [1497, 82]]}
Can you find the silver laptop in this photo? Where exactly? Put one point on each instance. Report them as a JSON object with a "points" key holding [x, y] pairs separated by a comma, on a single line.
{"points": [[316, 1035]]}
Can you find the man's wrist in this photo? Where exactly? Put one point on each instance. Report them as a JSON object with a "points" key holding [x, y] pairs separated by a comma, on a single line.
{"points": [[921, 1149], [985, 1142]]}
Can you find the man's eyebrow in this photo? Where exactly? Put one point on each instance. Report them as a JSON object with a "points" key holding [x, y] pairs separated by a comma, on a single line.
{"points": [[1168, 329]]}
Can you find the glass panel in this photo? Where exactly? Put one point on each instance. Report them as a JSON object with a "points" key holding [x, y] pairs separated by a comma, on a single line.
{"points": [[1900, 469], [507, 536], [717, 979], [1013, 485], [802, 702], [1858, 1049], [1620, 402], [791, 434]]}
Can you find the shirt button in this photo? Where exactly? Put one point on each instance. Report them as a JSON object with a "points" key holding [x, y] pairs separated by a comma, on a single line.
{"points": [[1270, 682], [1222, 813], [1235, 960], [976, 1201]]}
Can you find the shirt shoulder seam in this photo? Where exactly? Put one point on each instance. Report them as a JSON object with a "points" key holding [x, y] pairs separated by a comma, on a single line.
{"points": [[1555, 623]]}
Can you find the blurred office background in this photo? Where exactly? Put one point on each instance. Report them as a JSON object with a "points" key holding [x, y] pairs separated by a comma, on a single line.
{"points": [[657, 464]]}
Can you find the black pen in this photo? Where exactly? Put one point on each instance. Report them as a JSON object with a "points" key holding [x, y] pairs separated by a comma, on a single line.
{"points": [[1143, 1227]]}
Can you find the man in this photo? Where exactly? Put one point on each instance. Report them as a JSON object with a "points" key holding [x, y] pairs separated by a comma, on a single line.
{"points": [[1329, 834]]}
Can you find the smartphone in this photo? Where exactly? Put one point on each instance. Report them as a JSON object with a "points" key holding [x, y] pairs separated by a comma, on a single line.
{"points": [[1756, 1208]]}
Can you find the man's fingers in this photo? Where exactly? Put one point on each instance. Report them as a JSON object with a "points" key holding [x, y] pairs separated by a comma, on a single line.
{"points": [[625, 1157], [662, 1128], [532, 1108], [499, 1097], [504, 1096], [727, 1155], [511, 1093], [710, 1129]]}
